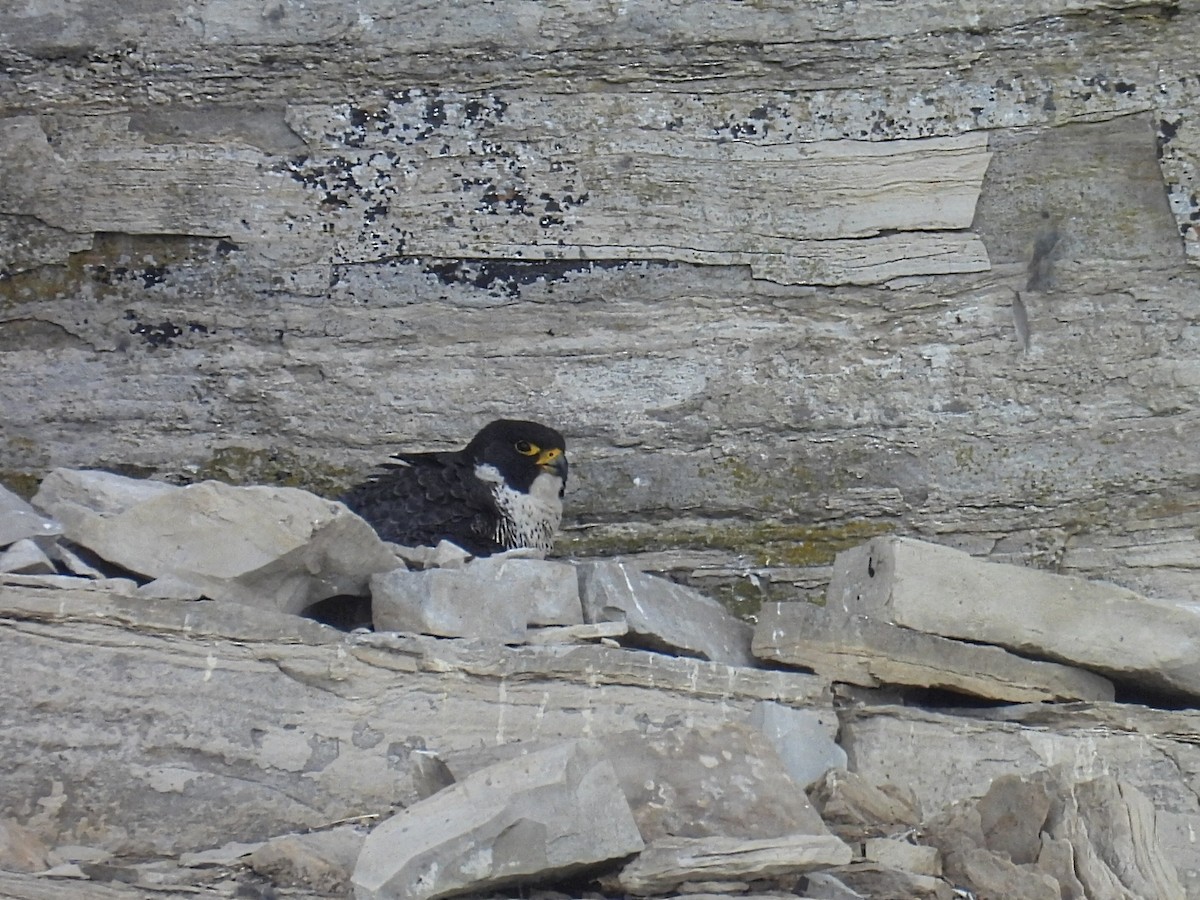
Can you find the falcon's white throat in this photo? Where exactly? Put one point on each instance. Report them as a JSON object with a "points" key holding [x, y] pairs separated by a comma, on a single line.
{"points": [[527, 520]]}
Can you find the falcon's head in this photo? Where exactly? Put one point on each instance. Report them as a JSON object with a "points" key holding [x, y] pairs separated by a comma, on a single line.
{"points": [[529, 457], [524, 466]]}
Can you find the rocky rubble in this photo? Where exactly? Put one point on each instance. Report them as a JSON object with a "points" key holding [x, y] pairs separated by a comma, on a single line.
{"points": [[939, 728]]}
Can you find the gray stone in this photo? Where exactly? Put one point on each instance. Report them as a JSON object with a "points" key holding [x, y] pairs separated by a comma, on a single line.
{"points": [[944, 759], [663, 615], [551, 813], [866, 651], [669, 862], [1094, 838], [856, 809], [320, 860], [875, 880], [19, 520], [445, 555], [495, 598], [21, 850], [169, 739], [280, 547], [72, 562], [577, 634], [76, 496], [699, 782], [801, 739], [896, 854], [826, 886], [26, 557], [942, 591]]}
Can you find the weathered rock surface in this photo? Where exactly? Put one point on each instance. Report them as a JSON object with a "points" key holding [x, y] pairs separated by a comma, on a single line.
{"points": [[662, 614], [26, 557], [496, 598], [554, 812], [279, 547], [669, 862], [1048, 837], [20, 521], [801, 738], [942, 591], [212, 276], [869, 652], [1152, 750], [322, 861], [160, 731]]}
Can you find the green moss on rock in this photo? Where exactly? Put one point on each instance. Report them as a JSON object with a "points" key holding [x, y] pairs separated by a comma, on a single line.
{"points": [[246, 465]]}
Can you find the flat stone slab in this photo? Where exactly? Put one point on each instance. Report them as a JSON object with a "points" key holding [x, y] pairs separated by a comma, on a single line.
{"points": [[19, 520], [942, 591], [549, 813], [867, 652], [662, 614], [495, 598], [262, 546], [669, 862]]}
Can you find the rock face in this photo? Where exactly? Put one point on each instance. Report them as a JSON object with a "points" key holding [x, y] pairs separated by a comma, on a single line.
{"points": [[663, 614], [241, 748], [864, 651], [778, 301], [941, 591], [496, 598], [279, 547], [554, 812]]}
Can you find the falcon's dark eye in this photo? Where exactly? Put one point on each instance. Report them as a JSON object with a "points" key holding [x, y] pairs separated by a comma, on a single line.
{"points": [[526, 448]]}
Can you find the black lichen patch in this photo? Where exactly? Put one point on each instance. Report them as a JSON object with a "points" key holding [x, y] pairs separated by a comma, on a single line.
{"points": [[161, 334], [506, 277], [148, 275]]}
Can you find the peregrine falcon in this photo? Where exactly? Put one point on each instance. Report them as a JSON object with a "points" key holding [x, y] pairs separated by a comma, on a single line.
{"points": [[502, 491]]}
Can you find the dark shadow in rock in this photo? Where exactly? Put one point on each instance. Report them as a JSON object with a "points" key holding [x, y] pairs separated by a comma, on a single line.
{"points": [[344, 613]]}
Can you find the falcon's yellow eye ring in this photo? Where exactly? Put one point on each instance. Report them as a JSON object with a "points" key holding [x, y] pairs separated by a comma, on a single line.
{"points": [[527, 449]]}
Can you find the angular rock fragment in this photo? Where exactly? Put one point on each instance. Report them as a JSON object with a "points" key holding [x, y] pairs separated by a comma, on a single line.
{"points": [[868, 652], [663, 615], [851, 804], [495, 598], [21, 850], [703, 782], [801, 739], [278, 547], [872, 880], [896, 854], [669, 862], [320, 860], [19, 520], [942, 591], [26, 557], [1049, 837], [551, 813]]}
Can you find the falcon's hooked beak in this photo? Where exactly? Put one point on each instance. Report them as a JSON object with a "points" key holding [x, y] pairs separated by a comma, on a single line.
{"points": [[553, 461]]}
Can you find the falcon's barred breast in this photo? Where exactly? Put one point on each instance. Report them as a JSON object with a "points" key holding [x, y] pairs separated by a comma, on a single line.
{"points": [[502, 491]]}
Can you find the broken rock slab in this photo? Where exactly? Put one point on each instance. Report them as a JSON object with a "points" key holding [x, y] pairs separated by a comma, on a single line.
{"points": [[263, 546], [551, 813], [704, 782], [693, 781], [26, 557], [496, 598], [320, 860], [663, 615], [669, 862], [869, 652], [942, 591], [19, 520], [801, 738], [1049, 836]]}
